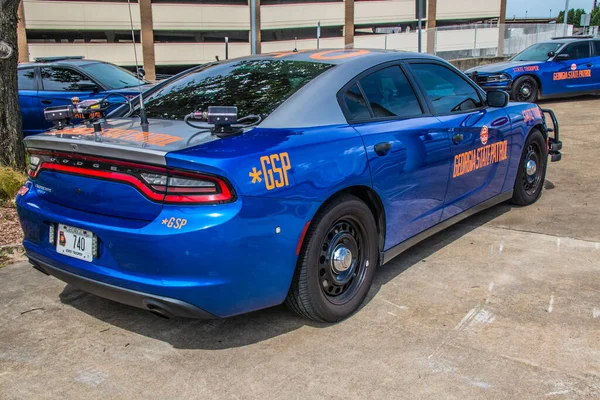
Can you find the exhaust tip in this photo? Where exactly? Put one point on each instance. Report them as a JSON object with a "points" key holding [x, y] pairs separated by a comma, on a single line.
{"points": [[159, 311]]}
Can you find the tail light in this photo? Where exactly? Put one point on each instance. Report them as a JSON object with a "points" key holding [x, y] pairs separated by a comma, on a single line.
{"points": [[159, 184]]}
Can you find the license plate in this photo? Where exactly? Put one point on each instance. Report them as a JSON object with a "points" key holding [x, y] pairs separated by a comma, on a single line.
{"points": [[74, 242]]}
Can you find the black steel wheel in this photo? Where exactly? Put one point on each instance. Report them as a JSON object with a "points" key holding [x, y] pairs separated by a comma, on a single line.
{"points": [[525, 89], [532, 170], [337, 261]]}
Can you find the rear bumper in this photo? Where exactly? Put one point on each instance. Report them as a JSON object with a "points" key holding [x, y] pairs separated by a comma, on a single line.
{"points": [[226, 260], [165, 306]]}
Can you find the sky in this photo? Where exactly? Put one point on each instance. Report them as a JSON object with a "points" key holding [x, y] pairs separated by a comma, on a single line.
{"points": [[541, 8]]}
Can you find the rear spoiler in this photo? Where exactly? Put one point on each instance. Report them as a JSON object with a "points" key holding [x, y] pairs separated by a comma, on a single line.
{"points": [[88, 146]]}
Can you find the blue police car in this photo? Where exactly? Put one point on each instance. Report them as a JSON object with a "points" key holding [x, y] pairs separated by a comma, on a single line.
{"points": [[567, 66], [54, 81], [284, 177]]}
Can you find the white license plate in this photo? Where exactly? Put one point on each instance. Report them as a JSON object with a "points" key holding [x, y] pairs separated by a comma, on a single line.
{"points": [[74, 242]]}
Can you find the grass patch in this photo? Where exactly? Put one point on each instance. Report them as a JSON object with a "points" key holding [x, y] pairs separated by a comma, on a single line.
{"points": [[10, 183]]}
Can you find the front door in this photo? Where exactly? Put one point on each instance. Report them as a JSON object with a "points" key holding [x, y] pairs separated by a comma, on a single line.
{"points": [[576, 74], [408, 151], [479, 136]]}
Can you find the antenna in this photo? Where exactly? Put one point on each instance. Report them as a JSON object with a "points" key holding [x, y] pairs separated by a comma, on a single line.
{"points": [[143, 117]]}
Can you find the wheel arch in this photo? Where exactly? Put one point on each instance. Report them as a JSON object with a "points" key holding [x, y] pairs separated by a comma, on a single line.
{"points": [[537, 80], [371, 199]]}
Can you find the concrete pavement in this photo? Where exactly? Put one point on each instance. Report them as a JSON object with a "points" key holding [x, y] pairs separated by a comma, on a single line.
{"points": [[505, 305]]}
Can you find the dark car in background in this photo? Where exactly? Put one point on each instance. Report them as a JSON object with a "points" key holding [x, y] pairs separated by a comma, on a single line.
{"points": [[54, 81]]}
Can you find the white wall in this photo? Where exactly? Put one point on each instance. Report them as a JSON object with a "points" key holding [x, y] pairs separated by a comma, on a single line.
{"points": [[463, 9], [117, 53], [200, 17], [79, 15], [301, 15]]}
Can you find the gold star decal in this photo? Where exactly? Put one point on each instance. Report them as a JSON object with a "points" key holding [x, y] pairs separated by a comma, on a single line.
{"points": [[255, 175], [164, 221]]}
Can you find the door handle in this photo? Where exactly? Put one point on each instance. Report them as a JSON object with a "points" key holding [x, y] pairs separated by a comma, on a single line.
{"points": [[457, 138], [46, 101], [382, 148]]}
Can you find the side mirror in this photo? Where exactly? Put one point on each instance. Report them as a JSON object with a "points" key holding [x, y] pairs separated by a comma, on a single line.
{"points": [[87, 87], [141, 73], [497, 98], [562, 57], [551, 54]]}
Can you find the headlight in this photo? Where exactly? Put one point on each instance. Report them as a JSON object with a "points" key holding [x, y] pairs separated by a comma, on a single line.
{"points": [[498, 78]]}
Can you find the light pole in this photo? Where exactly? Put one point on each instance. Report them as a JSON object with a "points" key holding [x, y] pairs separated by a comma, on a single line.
{"points": [[566, 19], [550, 14]]}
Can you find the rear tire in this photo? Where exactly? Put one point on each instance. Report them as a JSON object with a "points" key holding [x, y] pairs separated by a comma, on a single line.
{"points": [[532, 170], [525, 89], [337, 261]]}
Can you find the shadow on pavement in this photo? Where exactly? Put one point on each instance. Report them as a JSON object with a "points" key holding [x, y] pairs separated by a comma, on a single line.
{"points": [[260, 325]]}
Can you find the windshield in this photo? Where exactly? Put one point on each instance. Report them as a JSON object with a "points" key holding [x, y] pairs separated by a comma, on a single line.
{"points": [[112, 76], [537, 52], [254, 86]]}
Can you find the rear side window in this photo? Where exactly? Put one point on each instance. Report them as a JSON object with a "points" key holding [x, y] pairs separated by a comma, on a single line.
{"points": [[577, 50], [447, 90], [356, 104], [390, 94], [63, 80], [26, 79]]}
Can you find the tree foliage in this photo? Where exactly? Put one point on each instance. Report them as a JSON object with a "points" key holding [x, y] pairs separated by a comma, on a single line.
{"points": [[574, 17]]}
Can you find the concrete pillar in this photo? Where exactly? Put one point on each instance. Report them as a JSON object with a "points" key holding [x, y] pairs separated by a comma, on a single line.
{"points": [[147, 37], [258, 35], [22, 35], [501, 27], [431, 24], [348, 24]]}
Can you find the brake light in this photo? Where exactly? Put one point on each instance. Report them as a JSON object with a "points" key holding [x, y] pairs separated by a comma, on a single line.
{"points": [[159, 184]]}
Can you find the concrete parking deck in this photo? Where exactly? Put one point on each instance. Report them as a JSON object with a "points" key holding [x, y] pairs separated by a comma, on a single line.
{"points": [[505, 305]]}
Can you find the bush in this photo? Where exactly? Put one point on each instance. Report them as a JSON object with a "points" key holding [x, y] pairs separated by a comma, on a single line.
{"points": [[10, 183]]}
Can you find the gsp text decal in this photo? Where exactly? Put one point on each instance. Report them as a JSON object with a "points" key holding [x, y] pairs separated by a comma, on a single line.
{"points": [[482, 157], [175, 223], [273, 171]]}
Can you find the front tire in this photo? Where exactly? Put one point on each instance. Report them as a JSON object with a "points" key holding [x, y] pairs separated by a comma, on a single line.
{"points": [[337, 261], [532, 170], [525, 89]]}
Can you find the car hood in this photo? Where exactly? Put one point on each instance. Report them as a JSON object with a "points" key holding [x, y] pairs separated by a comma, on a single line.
{"points": [[507, 66], [132, 90]]}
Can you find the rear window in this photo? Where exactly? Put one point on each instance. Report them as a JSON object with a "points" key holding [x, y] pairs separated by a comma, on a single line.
{"points": [[254, 86]]}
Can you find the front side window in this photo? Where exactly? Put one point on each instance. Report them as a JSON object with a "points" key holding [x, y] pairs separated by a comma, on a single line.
{"points": [[597, 47], [26, 79], [448, 91], [56, 79], [390, 94], [577, 50], [255, 86]]}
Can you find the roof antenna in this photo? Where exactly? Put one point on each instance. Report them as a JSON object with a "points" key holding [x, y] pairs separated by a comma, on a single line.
{"points": [[143, 117]]}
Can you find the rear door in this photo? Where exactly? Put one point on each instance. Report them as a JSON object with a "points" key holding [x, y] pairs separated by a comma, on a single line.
{"points": [[479, 135], [33, 120], [60, 84], [596, 67], [577, 73], [407, 148]]}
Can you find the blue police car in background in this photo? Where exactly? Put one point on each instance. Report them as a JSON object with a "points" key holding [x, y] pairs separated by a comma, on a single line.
{"points": [[567, 66], [339, 161], [54, 81]]}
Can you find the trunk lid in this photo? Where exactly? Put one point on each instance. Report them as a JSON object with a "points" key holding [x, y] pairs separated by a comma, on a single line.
{"points": [[76, 167]]}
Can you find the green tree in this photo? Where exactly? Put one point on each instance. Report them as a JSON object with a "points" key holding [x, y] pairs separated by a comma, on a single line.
{"points": [[574, 17], [11, 135]]}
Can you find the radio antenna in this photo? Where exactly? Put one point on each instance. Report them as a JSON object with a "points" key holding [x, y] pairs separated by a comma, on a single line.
{"points": [[143, 117]]}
